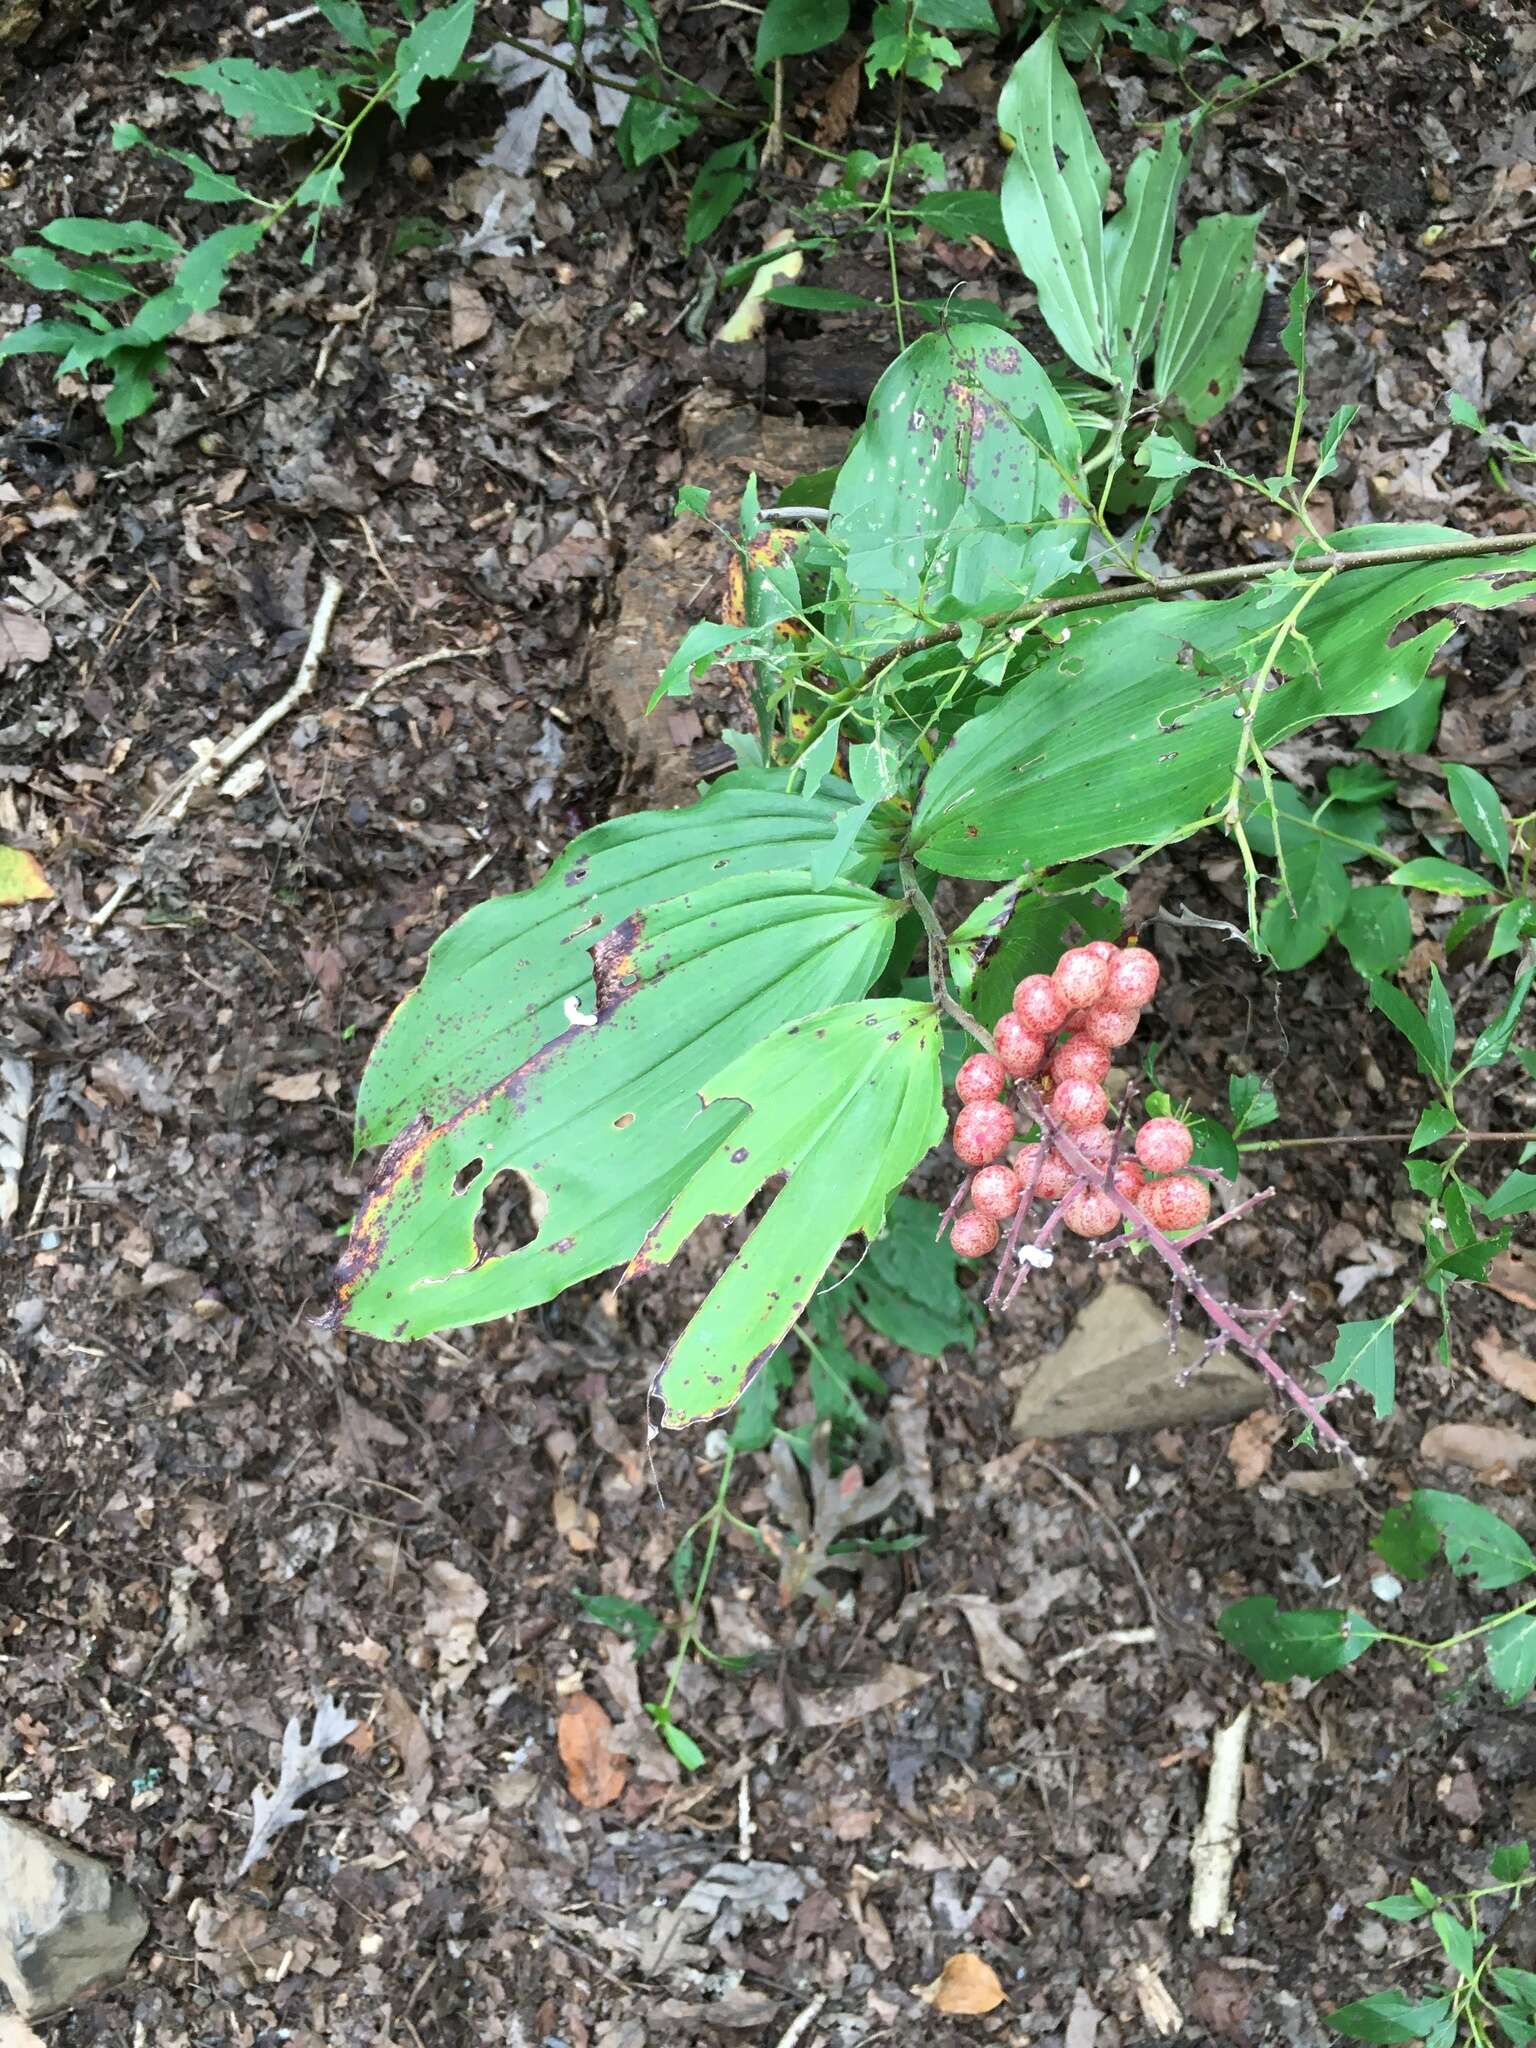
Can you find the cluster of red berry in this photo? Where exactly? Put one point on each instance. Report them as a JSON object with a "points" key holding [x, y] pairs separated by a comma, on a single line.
{"points": [[1059, 1034]]}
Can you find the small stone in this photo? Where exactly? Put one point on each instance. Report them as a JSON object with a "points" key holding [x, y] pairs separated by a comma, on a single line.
{"points": [[1114, 1373], [68, 1926]]}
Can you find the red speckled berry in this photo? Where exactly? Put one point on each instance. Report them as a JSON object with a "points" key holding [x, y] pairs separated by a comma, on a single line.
{"points": [[1108, 1026], [1075, 1020], [973, 1235], [1090, 1213], [982, 1132], [981, 1079], [1038, 1005], [996, 1191], [1081, 977], [1021, 1052], [1129, 1178], [1103, 949], [1095, 1143], [1179, 1203], [1080, 1059], [1163, 1144], [1054, 1177], [1077, 1104], [1133, 979]]}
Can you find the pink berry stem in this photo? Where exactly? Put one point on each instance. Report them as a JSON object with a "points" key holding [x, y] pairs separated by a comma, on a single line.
{"points": [[1186, 1276], [1011, 1245], [955, 1206], [1228, 1216], [1043, 1236], [1262, 1335]]}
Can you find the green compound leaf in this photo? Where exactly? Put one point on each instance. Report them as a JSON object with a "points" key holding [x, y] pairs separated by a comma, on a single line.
{"points": [[274, 102], [962, 455], [1511, 1653], [206, 183], [1125, 734], [1366, 1354], [133, 387], [1212, 306], [502, 981], [602, 1122], [433, 49], [1308, 1643], [44, 338], [130, 241], [102, 284], [905, 1285], [843, 1103], [1478, 1545], [1053, 203]]}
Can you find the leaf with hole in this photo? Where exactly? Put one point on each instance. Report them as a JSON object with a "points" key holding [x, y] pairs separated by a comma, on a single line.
{"points": [[1306, 1643], [433, 49], [1365, 1355], [602, 1121], [842, 1104]]}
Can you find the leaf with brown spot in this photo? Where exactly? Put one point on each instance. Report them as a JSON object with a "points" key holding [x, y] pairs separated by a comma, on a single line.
{"points": [[21, 879], [594, 1775], [965, 1987]]}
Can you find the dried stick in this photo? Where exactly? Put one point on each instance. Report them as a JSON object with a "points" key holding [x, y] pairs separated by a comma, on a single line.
{"points": [[1214, 1855]]}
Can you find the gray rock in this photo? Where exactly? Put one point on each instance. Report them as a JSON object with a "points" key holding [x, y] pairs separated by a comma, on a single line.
{"points": [[68, 1927], [1115, 1373]]}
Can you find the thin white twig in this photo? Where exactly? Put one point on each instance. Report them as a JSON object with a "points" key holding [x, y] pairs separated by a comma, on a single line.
{"points": [[802, 2022], [1214, 1855], [409, 668]]}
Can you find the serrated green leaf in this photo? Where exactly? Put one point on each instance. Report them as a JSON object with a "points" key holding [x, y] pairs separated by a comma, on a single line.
{"points": [[906, 1286], [274, 102], [793, 28], [1252, 1103], [43, 338], [433, 49], [130, 241], [625, 1617], [1053, 203], [1476, 803], [214, 186], [1376, 929], [844, 1103], [101, 284], [1125, 734], [1365, 1354], [1209, 315], [1511, 1653], [133, 387], [603, 1118], [1307, 1643], [1441, 877]]}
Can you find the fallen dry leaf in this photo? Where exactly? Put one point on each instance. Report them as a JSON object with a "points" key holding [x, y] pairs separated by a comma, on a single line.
{"points": [[453, 1603], [1252, 1444], [21, 879], [23, 638], [407, 1737], [295, 1087], [594, 1774], [1004, 1663], [966, 1984], [1503, 1363], [1482, 1447], [15, 2033], [470, 317], [1513, 1274], [836, 1708]]}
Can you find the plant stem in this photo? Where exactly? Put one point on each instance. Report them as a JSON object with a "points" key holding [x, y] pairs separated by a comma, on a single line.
{"points": [[627, 86], [1385, 1138], [688, 1633]]}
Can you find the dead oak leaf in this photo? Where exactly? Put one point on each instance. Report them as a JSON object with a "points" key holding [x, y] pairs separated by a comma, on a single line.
{"points": [[470, 318], [1503, 1363], [594, 1775], [965, 1986], [1252, 1444]]}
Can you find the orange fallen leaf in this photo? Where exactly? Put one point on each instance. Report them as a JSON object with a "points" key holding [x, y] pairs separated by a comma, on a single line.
{"points": [[1252, 1444], [965, 1985], [21, 879], [593, 1773]]}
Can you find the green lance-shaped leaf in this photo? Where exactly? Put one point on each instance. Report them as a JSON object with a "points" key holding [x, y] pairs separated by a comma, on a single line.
{"points": [[843, 1104], [966, 448], [1478, 1545], [130, 241], [433, 49], [1211, 307], [1053, 203], [204, 181], [1138, 245], [1308, 1643], [1511, 1653], [1126, 733], [500, 982], [602, 1122]]}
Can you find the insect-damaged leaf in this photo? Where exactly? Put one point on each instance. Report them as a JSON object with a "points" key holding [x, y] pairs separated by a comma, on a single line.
{"points": [[843, 1104], [499, 981], [1127, 733], [603, 1120], [962, 453]]}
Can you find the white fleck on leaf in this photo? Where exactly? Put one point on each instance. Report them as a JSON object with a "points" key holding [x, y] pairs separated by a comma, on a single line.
{"points": [[303, 1770]]}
